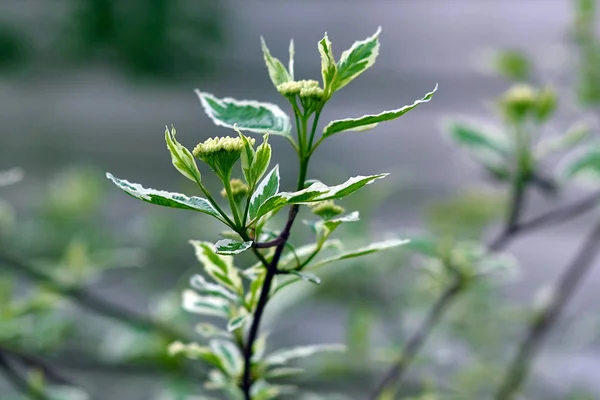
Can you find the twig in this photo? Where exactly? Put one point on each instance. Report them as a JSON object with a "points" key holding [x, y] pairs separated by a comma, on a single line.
{"points": [[90, 301], [413, 346], [35, 362], [18, 382], [565, 287], [246, 383]]}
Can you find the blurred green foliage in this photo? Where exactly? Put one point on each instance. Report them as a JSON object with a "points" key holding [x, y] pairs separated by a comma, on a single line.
{"points": [[147, 37]]}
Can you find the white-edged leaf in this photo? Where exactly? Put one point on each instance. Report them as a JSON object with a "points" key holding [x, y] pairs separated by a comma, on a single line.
{"points": [[363, 251], [262, 390], [238, 322], [199, 283], [247, 115], [182, 158], [292, 52], [360, 56], [231, 247], [11, 176], [307, 277], [277, 71], [350, 186], [219, 267], [333, 223], [328, 65], [229, 355], [163, 198], [280, 357], [195, 352], [370, 121], [207, 330], [315, 193], [283, 372], [260, 346], [583, 166], [307, 250], [268, 187], [205, 305]]}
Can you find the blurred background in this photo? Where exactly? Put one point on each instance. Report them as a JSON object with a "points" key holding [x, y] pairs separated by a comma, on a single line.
{"points": [[87, 86]]}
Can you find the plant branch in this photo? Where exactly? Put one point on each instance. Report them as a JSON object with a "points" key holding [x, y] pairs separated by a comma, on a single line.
{"points": [[416, 341], [18, 382], [558, 215], [543, 323], [90, 301], [247, 382]]}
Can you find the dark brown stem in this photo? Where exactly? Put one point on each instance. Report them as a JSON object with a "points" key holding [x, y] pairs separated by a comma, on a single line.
{"points": [[267, 245], [416, 341], [89, 300], [543, 323], [247, 381]]}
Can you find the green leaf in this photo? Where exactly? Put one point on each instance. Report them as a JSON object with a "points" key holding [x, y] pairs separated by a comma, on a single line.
{"points": [[219, 267], [486, 146], [307, 277], [357, 59], [182, 158], [328, 65], [347, 188], [281, 357], [195, 352], [574, 135], [363, 251], [255, 289], [261, 162], [230, 247], [163, 198], [247, 115], [248, 156], [370, 121], [238, 322], [229, 355], [315, 193], [207, 330], [268, 187], [277, 71], [212, 289], [333, 223], [583, 166], [283, 372], [205, 305]]}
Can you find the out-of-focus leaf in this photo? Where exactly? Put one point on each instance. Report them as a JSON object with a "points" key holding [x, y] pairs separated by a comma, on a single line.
{"points": [[281, 357], [363, 251], [219, 267]]}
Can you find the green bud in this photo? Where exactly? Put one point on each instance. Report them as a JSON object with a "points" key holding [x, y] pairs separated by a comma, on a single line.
{"points": [[239, 190], [220, 154], [524, 101], [327, 209]]}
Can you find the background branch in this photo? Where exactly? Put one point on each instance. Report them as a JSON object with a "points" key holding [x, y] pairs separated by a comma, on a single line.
{"points": [[543, 323]]}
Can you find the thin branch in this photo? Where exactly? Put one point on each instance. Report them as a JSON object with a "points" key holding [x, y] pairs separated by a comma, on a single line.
{"points": [[90, 301], [543, 323], [34, 362], [18, 382], [247, 382], [415, 343]]}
